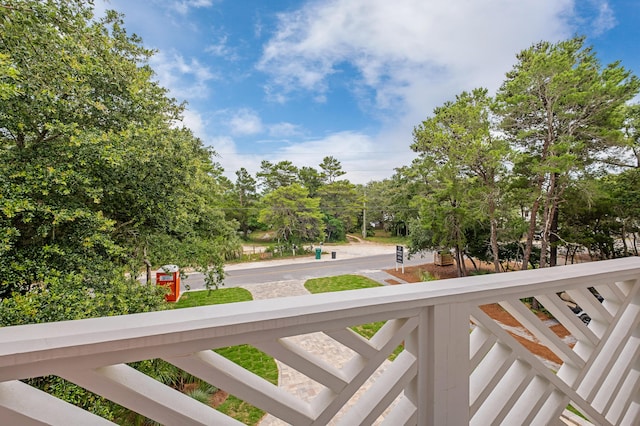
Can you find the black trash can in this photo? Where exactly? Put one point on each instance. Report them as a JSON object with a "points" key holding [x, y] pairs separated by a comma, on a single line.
{"points": [[333, 254]]}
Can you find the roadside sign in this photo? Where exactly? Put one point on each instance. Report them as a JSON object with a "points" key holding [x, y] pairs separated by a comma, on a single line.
{"points": [[400, 257]]}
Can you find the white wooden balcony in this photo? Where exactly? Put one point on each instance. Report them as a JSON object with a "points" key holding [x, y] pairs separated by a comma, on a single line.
{"points": [[458, 365]]}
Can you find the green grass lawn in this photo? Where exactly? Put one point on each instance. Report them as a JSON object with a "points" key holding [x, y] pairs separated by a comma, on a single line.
{"points": [[246, 356], [385, 237], [350, 282], [339, 283], [190, 299]]}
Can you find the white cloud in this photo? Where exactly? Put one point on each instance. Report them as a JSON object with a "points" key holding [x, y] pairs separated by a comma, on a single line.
{"points": [[605, 18], [184, 6], [409, 56], [186, 78], [245, 122], [408, 51], [285, 130], [362, 156], [231, 160], [222, 49]]}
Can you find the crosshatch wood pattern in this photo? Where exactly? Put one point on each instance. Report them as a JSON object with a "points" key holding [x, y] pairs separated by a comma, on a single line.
{"points": [[454, 354]]}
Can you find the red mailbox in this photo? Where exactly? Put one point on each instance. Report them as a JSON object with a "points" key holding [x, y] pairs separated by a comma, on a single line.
{"points": [[169, 275]]}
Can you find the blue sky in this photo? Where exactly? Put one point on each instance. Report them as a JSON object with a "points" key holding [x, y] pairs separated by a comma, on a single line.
{"points": [[300, 80]]}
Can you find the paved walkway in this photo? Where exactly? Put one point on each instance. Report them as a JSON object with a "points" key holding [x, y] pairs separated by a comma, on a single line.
{"points": [[318, 344]]}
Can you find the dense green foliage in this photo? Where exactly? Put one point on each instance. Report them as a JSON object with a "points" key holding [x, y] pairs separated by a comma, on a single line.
{"points": [[94, 170], [97, 177], [293, 215], [327, 208], [564, 112], [464, 163], [557, 124]]}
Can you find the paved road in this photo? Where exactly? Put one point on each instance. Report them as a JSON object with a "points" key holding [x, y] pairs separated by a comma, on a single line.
{"points": [[353, 259]]}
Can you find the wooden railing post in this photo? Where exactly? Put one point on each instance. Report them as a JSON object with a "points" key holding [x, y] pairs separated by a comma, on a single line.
{"points": [[441, 344]]}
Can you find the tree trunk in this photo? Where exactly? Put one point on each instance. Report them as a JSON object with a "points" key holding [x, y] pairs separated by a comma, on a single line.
{"points": [[460, 266], [532, 229], [473, 262], [147, 264], [549, 203], [494, 234], [544, 235], [553, 239]]}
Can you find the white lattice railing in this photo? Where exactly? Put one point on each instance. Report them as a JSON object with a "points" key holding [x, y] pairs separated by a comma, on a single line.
{"points": [[446, 374]]}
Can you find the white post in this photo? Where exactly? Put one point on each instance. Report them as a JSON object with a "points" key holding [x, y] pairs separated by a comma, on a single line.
{"points": [[441, 344]]}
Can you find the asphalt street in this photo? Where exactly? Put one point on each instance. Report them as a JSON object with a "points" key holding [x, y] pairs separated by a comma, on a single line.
{"points": [[358, 258]]}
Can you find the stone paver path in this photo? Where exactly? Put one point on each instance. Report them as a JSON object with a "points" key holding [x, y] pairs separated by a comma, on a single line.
{"points": [[318, 344]]}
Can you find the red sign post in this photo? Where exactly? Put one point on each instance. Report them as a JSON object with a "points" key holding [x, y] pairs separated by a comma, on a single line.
{"points": [[169, 276]]}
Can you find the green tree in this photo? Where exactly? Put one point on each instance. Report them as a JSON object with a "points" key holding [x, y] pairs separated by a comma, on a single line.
{"points": [[292, 214], [273, 176], [243, 206], [393, 198], [624, 190], [75, 80], [340, 201], [588, 220], [631, 131], [445, 212], [459, 137], [94, 174], [8, 77], [331, 169], [562, 110], [311, 179], [92, 166]]}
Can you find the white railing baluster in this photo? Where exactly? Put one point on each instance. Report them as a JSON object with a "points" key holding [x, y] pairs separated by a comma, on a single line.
{"points": [[329, 403], [627, 407], [21, 404], [447, 365], [314, 367], [480, 343], [488, 375], [561, 312], [529, 402], [227, 375], [608, 352], [588, 302], [139, 392], [417, 343], [548, 338], [353, 341], [383, 391], [620, 376], [403, 414]]}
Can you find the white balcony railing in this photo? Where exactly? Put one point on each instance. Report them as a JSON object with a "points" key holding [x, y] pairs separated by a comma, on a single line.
{"points": [[458, 366]]}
